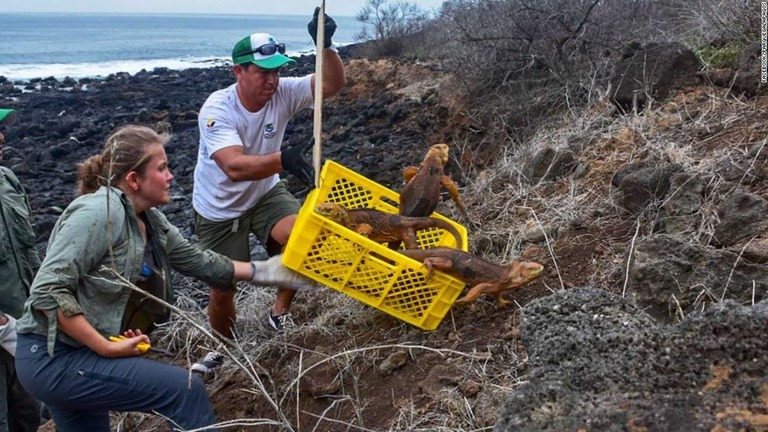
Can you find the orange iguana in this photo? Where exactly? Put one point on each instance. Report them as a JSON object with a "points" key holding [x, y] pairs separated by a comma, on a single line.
{"points": [[421, 193], [383, 227], [485, 276]]}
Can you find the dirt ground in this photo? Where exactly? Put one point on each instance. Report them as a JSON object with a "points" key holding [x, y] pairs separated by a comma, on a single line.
{"points": [[358, 392]]}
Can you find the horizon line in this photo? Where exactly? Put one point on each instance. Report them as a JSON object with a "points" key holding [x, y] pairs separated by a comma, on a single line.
{"points": [[149, 13]]}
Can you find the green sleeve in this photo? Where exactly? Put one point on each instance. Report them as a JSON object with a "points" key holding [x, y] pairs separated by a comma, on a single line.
{"points": [[205, 265], [32, 257], [30, 252], [80, 241]]}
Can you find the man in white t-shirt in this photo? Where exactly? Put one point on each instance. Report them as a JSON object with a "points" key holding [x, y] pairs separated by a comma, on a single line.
{"points": [[237, 189]]}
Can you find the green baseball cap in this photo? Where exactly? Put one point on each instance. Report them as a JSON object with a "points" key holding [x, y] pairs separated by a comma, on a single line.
{"points": [[262, 50], [7, 117]]}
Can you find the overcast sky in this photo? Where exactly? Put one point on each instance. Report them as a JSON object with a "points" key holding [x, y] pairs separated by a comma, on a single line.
{"points": [[259, 7]]}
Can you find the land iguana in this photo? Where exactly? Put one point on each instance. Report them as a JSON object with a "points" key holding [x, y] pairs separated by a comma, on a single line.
{"points": [[421, 193], [485, 276], [383, 227]]}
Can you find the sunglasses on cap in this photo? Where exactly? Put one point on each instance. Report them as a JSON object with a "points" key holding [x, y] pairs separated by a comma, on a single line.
{"points": [[266, 49]]}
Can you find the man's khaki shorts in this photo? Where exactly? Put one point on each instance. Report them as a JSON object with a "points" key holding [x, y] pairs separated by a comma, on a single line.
{"points": [[230, 237]]}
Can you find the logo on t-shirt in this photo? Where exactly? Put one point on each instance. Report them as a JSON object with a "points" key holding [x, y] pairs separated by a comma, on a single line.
{"points": [[269, 131], [210, 123]]}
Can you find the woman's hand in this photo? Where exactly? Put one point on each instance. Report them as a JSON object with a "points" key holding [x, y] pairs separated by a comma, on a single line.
{"points": [[127, 347], [78, 328]]}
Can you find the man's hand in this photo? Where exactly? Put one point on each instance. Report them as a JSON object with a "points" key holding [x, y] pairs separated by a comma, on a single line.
{"points": [[328, 31], [292, 160]]}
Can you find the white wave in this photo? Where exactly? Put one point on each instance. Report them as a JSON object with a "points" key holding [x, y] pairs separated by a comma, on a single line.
{"points": [[25, 72]]}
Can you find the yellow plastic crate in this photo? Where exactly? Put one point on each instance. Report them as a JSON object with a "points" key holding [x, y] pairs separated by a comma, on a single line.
{"points": [[363, 269]]}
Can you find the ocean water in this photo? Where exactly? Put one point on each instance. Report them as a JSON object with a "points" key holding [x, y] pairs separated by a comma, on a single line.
{"points": [[96, 45]]}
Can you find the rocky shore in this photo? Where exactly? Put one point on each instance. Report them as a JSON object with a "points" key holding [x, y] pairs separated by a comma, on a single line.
{"points": [[62, 122]]}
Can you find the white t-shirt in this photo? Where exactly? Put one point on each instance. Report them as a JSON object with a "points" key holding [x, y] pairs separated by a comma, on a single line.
{"points": [[224, 122]]}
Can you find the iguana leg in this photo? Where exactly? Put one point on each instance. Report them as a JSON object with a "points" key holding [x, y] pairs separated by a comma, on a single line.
{"points": [[475, 292], [439, 263], [500, 302], [409, 172], [409, 238], [452, 189], [364, 230], [394, 245]]}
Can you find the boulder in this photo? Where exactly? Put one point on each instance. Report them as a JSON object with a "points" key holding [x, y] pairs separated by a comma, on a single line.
{"points": [[679, 212], [549, 164], [673, 278], [652, 72], [741, 216], [641, 187], [748, 76], [599, 363]]}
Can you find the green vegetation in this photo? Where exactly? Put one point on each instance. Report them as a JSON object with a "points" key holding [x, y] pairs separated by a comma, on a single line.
{"points": [[720, 57]]}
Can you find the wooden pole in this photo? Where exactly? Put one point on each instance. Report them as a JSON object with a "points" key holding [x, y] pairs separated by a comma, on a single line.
{"points": [[318, 126]]}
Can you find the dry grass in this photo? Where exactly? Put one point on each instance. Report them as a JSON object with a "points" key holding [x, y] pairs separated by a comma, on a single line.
{"points": [[256, 343], [708, 132]]}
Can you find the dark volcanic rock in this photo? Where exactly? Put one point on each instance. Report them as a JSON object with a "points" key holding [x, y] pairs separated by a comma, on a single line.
{"points": [[748, 77], [599, 363], [642, 186], [62, 123], [550, 163], [652, 72], [741, 216], [669, 276]]}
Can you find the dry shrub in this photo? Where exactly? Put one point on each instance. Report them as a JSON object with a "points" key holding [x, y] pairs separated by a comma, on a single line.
{"points": [[708, 133], [717, 21], [522, 61], [389, 26]]}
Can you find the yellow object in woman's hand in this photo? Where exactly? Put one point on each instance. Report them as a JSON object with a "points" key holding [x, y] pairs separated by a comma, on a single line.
{"points": [[142, 346]]}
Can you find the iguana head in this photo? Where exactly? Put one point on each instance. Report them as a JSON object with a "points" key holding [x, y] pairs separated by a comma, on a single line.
{"points": [[439, 151], [522, 272], [333, 212]]}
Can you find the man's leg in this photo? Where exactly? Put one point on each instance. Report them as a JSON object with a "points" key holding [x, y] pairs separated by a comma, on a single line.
{"points": [[272, 224], [74, 420], [222, 314], [279, 234], [229, 238]]}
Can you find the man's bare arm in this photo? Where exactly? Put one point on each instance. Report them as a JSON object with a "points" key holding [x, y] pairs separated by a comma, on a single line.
{"points": [[239, 166], [333, 74]]}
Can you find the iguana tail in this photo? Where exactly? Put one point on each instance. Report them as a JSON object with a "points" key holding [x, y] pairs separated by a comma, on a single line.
{"points": [[430, 222]]}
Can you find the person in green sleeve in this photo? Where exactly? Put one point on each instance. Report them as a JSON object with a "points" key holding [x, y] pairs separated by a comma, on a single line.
{"points": [[18, 263], [109, 239]]}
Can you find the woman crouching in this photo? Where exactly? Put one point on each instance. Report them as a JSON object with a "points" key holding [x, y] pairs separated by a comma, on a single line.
{"points": [[64, 357]]}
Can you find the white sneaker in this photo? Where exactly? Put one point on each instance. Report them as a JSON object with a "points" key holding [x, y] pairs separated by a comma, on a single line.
{"points": [[209, 363], [281, 322]]}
